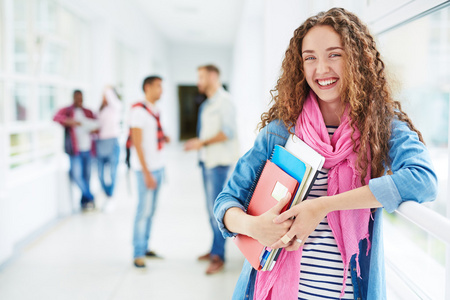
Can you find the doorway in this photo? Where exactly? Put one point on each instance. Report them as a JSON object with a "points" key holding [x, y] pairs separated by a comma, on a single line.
{"points": [[189, 103]]}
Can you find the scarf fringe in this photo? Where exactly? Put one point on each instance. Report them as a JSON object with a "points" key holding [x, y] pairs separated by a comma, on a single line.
{"points": [[358, 267]]}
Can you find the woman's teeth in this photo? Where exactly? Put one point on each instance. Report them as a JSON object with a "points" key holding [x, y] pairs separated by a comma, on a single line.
{"points": [[326, 82]]}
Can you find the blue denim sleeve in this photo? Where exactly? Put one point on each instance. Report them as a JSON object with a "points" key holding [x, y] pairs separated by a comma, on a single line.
{"points": [[413, 177], [237, 189]]}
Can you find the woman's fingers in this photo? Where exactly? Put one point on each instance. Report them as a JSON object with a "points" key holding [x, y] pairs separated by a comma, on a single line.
{"points": [[284, 241], [282, 203], [286, 215]]}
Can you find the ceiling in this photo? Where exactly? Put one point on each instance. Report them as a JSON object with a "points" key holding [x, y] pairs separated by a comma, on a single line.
{"points": [[210, 22]]}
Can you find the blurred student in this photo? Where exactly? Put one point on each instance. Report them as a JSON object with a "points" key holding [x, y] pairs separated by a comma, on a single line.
{"points": [[107, 145], [78, 123], [147, 159], [218, 151]]}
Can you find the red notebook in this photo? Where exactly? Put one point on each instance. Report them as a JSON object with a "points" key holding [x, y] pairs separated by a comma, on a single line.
{"points": [[272, 185]]}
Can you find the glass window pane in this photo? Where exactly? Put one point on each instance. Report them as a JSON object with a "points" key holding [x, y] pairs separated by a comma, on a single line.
{"points": [[46, 16], [21, 36], [21, 102], [76, 34], [47, 100], [20, 149], [52, 59]]}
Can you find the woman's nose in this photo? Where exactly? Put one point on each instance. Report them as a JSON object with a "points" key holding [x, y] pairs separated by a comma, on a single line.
{"points": [[322, 66]]}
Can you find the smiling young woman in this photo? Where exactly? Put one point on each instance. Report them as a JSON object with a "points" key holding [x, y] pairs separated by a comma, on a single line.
{"points": [[332, 94]]}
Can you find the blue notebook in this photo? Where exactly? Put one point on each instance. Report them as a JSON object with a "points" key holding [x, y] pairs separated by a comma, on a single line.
{"points": [[289, 163]]}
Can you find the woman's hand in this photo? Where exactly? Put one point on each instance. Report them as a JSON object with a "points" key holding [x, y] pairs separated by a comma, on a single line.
{"points": [[265, 230], [308, 215]]}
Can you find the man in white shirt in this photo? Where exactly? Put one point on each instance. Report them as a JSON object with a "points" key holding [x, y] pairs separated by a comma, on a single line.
{"points": [[217, 145], [147, 159]]}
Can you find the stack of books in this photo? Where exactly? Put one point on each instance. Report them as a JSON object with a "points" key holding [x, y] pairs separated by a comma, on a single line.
{"points": [[292, 168]]}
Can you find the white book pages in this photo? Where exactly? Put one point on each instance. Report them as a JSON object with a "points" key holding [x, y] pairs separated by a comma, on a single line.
{"points": [[308, 155]]}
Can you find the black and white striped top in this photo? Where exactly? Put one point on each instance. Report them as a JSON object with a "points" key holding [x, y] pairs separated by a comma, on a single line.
{"points": [[322, 269]]}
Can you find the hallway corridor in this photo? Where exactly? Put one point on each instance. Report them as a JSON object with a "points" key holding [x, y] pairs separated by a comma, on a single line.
{"points": [[89, 255]]}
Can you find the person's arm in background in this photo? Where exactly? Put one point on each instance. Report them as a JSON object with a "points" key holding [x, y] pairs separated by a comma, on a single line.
{"points": [[112, 99], [227, 132], [61, 118], [136, 138]]}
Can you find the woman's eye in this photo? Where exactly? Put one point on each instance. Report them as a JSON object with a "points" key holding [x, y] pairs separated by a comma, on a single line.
{"points": [[335, 55], [309, 58]]}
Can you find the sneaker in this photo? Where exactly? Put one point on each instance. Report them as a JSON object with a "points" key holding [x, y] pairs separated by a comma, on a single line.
{"points": [[139, 262], [215, 266], [89, 206], [204, 257], [152, 254]]}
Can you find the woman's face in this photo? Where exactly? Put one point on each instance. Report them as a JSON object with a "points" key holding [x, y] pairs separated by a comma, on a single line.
{"points": [[323, 62]]}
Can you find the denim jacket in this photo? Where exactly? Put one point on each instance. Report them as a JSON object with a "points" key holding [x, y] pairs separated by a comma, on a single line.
{"points": [[413, 179]]}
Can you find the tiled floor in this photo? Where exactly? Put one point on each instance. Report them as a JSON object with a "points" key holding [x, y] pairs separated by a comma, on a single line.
{"points": [[89, 256]]}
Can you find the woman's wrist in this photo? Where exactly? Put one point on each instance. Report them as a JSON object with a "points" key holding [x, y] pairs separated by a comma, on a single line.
{"points": [[322, 205], [248, 223]]}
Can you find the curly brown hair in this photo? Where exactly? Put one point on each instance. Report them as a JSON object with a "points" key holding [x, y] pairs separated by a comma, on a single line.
{"points": [[365, 88]]}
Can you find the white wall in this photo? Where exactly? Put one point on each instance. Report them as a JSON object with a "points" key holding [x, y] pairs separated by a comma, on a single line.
{"points": [[186, 58], [248, 72]]}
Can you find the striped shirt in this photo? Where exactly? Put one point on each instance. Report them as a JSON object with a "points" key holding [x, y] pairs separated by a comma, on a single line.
{"points": [[322, 269]]}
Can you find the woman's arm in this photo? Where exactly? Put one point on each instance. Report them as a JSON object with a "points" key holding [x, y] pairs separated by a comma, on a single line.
{"points": [[309, 213], [230, 205], [261, 228], [112, 98], [413, 179]]}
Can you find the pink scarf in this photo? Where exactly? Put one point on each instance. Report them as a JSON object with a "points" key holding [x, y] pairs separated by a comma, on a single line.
{"points": [[349, 227]]}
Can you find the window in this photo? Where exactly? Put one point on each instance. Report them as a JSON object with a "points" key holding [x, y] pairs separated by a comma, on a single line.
{"points": [[21, 108], [20, 149], [48, 53], [22, 36], [50, 41], [418, 55], [47, 100], [46, 16], [75, 32]]}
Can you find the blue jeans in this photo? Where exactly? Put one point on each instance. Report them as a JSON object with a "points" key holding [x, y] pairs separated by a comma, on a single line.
{"points": [[108, 151], [214, 180], [80, 172], [147, 200]]}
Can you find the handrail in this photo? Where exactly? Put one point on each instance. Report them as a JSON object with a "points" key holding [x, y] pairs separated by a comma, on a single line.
{"points": [[424, 217]]}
